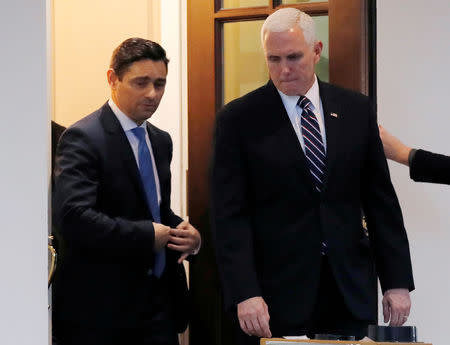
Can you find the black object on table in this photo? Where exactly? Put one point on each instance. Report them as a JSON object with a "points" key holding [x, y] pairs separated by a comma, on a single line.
{"points": [[333, 337], [407, 334]]}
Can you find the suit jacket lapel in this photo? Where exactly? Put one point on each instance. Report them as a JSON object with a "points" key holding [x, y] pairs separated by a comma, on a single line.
{"points": [[155, 141], [284, 134], [120, 144], [332, 128]]}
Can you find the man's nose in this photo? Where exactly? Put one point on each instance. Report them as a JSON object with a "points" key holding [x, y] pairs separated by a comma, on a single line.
{"points": [[285, 68], [150, 91]]}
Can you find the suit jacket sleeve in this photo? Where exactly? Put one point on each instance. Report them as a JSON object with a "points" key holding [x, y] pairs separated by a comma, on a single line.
{"points": [[232, 232], [76, 211], [430, 167], [384, 217]]}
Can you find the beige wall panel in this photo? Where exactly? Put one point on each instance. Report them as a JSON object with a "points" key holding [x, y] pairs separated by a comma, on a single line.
{"points": [[85, 33]]}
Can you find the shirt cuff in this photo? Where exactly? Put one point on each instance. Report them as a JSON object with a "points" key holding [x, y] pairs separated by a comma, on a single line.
{"points": [[196, 250], [411, 155]]}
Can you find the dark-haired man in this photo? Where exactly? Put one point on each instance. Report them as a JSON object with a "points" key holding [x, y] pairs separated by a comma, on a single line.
{"points": [[122, 279]]}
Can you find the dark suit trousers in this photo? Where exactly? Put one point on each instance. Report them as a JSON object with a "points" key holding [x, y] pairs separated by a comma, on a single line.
{"points": [[330, 315], [156, 328]]}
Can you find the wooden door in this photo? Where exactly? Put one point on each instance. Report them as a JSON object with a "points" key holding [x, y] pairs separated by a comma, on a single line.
{"points": [[349, 66]]}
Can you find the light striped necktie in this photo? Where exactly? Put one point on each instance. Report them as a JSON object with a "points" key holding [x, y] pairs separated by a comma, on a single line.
{"points": [[312, 138]]}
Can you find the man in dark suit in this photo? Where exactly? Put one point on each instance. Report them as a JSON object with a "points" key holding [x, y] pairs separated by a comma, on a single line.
{"points": [[295, 162], [424, 166], [122, 280], [57, 131]]}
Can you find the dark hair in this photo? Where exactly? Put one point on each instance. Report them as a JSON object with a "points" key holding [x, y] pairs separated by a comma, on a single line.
{"points": [[135, 49]]}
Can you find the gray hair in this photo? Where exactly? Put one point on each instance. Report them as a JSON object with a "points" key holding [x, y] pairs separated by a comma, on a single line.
{"points": [[287, 18]]}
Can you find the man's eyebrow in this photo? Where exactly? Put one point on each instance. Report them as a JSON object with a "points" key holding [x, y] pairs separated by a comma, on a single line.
{"points": [[146, 78], [142, 78]]}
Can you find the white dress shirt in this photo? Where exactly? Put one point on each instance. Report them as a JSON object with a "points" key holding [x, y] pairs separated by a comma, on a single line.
{"points": [[127, 125], [294, 111]]}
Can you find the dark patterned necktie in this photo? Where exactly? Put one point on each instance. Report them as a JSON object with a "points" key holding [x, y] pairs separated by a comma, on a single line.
{"points": [[312, 138], [149, 183]]}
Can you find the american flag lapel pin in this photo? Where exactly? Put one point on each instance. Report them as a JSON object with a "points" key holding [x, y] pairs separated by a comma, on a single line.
{"points": [[334, 115]]}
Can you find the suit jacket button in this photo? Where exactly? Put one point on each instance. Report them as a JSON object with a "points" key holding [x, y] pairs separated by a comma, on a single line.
{"points": [[323, 249]]}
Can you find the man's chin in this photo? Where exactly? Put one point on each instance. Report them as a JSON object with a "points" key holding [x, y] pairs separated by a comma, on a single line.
{"points": [[292, 88], [146, 115], [287, 88], [289, 91], [141, 117]]}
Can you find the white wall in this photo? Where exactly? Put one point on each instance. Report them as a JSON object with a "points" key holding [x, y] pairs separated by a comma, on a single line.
{"points": [[413, 92], [24, 152]]}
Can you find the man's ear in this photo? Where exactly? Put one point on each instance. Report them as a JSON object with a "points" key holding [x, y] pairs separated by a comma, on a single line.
{"points": [[318, 46], [112, 77]]}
